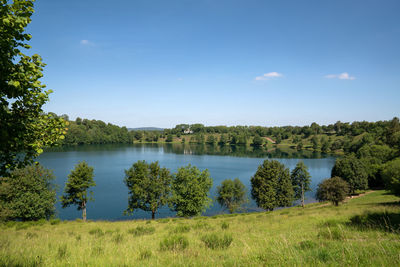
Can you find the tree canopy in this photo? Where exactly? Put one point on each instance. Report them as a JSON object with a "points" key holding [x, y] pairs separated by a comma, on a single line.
{"points": [[272, 186], [27, 194], [25, 129], [76, 188], [231, 194], [334, 189], [352, 170], [190, 188], [148, 185], [301, 181]]}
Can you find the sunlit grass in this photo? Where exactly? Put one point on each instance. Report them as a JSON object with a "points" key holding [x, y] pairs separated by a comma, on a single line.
{"points": [[316, 235]]}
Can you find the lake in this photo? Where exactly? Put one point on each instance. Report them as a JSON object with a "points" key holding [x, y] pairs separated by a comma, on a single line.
{"points": [[110, 161]]}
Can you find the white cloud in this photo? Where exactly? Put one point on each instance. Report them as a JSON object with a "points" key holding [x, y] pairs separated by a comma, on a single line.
{"points": [[341, 76], [268, 76], [86, 42]]}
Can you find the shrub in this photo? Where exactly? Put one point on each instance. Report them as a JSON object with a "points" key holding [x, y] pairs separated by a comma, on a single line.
{"points": [[224, 225], [55, 221], [142, 230], [307, 244], [333, 189], [118, 238], [181, 229], [145, 254], [29, 194], [202, 226], [217, 241], [174, 242], [97, 232]]}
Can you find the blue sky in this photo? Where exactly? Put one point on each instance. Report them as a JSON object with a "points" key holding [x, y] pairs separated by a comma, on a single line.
{"points": [[270, 63]]}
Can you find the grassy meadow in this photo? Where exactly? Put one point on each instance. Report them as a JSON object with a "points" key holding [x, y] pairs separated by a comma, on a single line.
{"points": [[363, 231]]}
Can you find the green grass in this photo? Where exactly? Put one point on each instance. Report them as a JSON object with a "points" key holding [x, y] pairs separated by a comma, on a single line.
{"points": [[362, 232]]}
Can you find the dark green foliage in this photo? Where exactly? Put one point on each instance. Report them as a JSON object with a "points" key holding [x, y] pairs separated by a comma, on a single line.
{"points": [[352, 170], [272, 186], [24, 128], [28, 194], [174, 243], [142, 230], [98, 132], [391, 176], [210, 140], [145, 254], [386, 221], [148, 185], [97, 232], [76, 188], [190, 188], [231, 194], [169, 138], [301, 181], [224, 225], [334, 189], [257, 141], [217, 241], [307, 244], [181, 229]]}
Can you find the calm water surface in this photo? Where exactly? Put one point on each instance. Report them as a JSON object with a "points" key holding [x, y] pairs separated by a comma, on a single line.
{"points": [[110, 161]]}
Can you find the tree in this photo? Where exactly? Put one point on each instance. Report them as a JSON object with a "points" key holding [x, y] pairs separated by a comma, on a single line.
{"points": [[301, 181], [210, 139], [28, 194], [76, 188], [334, 189], [257, 141], [231, 194], [148, 185], [351, 169], [391, 176], [299, 146], [190, 188], [271, 185], [315, 142], [223, 140], [169, 138], [25, 129]]}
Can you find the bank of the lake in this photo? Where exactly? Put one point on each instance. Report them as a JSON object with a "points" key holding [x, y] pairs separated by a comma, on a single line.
{"points": [[361, 232], [110, 161]]}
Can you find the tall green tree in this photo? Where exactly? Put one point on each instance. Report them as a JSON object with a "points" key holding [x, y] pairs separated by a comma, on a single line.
{"points": [[231, 194], [301, 181], [334, 189], [149, 187], [24, 128], [76, 188], [257, 141], [190, 189], [27, 194], [352, 170], [271, 185], [391, 176]]}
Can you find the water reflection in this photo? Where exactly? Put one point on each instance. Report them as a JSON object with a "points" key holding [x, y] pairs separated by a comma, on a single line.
{"points": [[203, 149]]}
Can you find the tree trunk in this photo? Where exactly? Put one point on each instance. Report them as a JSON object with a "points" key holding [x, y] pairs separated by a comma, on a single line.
{"points": [[153, 214], [302, 195], [84, 211]]}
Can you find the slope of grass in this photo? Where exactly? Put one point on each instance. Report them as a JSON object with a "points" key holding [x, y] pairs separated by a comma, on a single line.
{"points": [[363, 231]]}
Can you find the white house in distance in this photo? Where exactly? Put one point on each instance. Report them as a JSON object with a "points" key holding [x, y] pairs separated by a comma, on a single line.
{"points": [[187, 131]]}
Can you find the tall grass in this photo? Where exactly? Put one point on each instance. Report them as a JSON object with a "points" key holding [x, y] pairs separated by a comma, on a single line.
{"points": [[362, 232]]}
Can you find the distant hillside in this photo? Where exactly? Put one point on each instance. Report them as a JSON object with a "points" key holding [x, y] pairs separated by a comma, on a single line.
{"points": [[148, 129]]}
